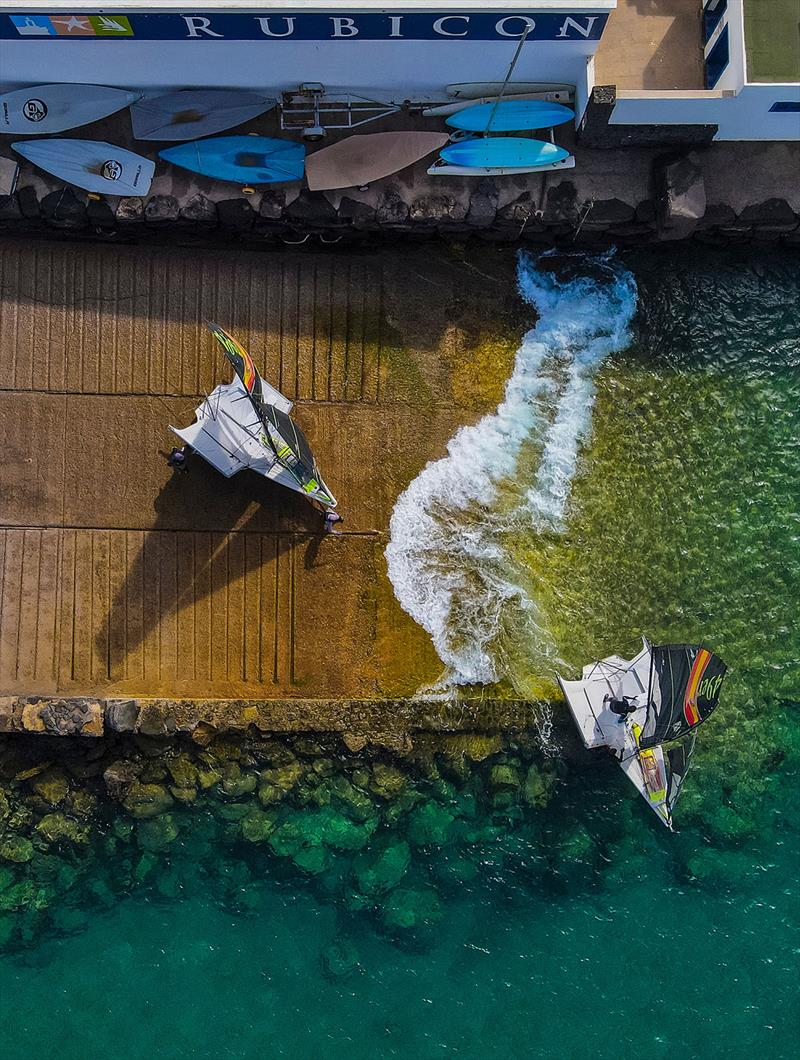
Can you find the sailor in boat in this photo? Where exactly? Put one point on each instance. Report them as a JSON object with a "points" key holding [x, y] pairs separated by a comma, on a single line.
{"points": [[645, 711]]}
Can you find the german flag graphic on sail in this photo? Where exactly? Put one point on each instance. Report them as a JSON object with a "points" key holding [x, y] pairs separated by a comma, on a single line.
{"points": [[690, 711]]}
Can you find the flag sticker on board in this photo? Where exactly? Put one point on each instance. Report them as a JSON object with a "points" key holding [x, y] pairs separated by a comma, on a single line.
{"points": [[33, 25]]}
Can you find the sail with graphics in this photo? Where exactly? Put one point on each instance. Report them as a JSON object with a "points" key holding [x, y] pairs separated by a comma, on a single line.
{"points": [[636, 706], [246, 424]]}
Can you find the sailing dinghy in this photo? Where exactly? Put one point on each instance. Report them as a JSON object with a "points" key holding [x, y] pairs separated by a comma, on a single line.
{"points": [[192, 113], [362, 159], [246, 423], [56, 108], [241, 159], [93, 165], [636, 706]]}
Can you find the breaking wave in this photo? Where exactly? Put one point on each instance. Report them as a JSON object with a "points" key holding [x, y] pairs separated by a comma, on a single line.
{"points": [[448, 553]]}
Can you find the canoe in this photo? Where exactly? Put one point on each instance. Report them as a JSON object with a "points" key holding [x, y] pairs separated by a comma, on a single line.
{"points": [[364, 158], [190, 114], [477, 89], [508, 152], [241, 159], [55, 108], [93, 165], [510, 115]]}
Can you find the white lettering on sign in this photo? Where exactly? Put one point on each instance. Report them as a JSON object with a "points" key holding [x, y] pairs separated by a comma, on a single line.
{"points": [[438, 26], [344, 27], [527, 23], [395, 21], [196, 25], [267, 30], [583, 30]]}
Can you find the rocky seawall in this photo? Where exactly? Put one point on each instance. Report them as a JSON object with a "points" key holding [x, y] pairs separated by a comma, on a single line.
{"points": [[387, 723], [667, 196]]}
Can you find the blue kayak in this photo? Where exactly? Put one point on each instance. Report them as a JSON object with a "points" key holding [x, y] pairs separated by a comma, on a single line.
{"points": [[511, 115], [510, 152], [241, 159]]}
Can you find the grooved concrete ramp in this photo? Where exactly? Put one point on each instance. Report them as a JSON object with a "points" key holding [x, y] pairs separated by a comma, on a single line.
{"points": [[118, 577]]}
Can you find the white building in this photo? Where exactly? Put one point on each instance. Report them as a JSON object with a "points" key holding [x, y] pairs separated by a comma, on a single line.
{"points": [[751, 61], [407, 50], [745, 53]]}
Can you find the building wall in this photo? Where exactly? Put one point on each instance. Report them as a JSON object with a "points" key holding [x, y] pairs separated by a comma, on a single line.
{"points": [[357, 52], [740, 116]]}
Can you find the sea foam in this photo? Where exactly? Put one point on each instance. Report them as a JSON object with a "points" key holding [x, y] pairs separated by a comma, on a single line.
{"points": [[447, 554]]}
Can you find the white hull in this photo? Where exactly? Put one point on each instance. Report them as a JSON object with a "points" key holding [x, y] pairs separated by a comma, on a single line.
{"points": [[599, 726], [445, 169], [473, 90], [93, 165], [56, 108]]}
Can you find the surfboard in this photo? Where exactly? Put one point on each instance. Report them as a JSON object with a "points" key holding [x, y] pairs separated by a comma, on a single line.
{"points": [[190, 114], [509, 152], [93, 165], [55, 108], [361, 159], [447, 169], [476, 89], [510, 115], [442, 110], [241, 159]]}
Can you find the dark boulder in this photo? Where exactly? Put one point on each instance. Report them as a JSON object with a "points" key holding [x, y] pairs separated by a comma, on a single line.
{"points": [[63, 209], [311, 209], [237, 214], [772, 215], [161, 209], [28, 203], [199, 210], [682, 196]]}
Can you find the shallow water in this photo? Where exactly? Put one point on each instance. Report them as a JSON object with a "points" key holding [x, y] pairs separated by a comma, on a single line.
{"points": [[476, 899]]}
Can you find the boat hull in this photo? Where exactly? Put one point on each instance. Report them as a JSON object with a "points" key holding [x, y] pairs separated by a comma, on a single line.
{"points": [[512, 152], [46, 109], [241, 159], [191, 114], [443, 169], [510, 116], [93, 165]]}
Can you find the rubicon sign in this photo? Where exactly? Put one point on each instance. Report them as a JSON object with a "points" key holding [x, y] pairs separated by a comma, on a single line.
{"points": [[297, 25]]}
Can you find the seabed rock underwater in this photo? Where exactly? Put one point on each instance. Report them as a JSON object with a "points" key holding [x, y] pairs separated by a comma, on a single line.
{"points": [[382, 836]]}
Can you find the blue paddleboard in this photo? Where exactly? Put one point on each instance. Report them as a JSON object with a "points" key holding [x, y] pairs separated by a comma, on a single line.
{"points": [[513, 152], [241, 159], [511, 115]]}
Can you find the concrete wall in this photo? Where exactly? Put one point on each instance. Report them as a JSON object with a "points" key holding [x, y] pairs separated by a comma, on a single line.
{"points": [[742, 116], [416, 54], [380, 69]]}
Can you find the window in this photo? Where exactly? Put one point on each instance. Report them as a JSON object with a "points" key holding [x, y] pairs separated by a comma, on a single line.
{"points": [[717, 59], [785, 107], [712, 13]]}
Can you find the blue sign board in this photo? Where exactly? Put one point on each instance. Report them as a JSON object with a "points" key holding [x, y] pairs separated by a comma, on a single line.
{"points": [[297, 25]]}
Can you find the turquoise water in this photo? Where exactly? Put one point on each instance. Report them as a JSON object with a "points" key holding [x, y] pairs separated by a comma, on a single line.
{"points": [[478, 897]]}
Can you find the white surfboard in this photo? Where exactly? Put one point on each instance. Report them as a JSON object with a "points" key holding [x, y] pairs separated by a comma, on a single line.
{"points": [[93, 165], [444, 110], [54, 108], [476, 89], [448, 169]]}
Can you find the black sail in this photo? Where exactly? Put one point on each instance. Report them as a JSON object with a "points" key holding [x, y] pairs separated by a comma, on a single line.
{"points": [[685, 682]]}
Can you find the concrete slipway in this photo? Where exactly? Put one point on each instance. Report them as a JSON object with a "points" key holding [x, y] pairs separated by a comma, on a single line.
{"points": [[120, 579]]}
